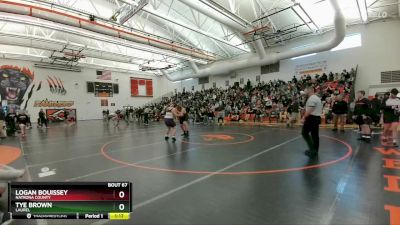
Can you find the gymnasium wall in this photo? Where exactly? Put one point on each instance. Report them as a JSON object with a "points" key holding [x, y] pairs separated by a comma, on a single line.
{"points": [[86, 104], [380, 51]]}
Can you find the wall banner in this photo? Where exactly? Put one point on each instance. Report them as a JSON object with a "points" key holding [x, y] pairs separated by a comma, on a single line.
{"points": [[311, 68], [48, 103]]}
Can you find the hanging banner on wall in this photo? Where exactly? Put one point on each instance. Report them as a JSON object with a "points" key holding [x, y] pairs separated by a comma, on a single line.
{"points": [[141, 87], [104, 102], [58, 115], [103, 74], [48, 103], [311, 68]]}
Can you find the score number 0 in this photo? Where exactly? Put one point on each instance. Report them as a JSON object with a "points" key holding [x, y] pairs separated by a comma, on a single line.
{"points": [[121, 195], [121, 206]]}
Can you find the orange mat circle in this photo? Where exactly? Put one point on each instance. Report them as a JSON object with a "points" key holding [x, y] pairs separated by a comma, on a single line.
{"points": [[274, 171], [9, 154]]}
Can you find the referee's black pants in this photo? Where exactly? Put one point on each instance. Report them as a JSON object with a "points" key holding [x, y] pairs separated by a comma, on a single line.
{"points": [[310, 132]]}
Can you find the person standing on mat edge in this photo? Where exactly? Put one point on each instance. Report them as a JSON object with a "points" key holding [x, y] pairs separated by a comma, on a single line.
{"points": [[42, 119], [311, 121], [146, 113], [390, 110], [22, 120], [169, 120], [339, 111], [362, 116], [2, 123]]}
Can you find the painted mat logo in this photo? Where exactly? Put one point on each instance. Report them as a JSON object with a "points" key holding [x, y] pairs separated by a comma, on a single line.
{"points": [[45, 172], [217, 137], [58, 104]]}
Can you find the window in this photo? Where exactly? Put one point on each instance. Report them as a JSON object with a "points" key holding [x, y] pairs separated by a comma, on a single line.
{"points": [[271, 68], [390, 77], [350, 41], [203, 80]]}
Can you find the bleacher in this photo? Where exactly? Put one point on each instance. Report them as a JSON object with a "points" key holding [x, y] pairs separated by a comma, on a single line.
{"points": [[264, 103]]}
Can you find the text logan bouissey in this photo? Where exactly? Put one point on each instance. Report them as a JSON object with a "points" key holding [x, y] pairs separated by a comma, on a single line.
{"points": [[40, 192]]}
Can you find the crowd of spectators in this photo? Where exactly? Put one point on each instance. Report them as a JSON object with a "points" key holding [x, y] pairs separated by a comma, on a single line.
{"points": [[263, 101]]}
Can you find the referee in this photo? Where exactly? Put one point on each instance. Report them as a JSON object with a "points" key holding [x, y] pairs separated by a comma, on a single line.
{"points": [[311, 121]]}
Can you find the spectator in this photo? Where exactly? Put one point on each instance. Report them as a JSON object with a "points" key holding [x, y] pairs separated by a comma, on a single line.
{"points": [[362, 116], [2, 124], [268, 99], [11, 123], [146, 113], [391, 119], [376, 105], [339, 111], [293, 111]]}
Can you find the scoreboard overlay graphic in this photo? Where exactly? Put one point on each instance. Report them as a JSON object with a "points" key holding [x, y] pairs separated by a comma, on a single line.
{"points": [[75, 200]]}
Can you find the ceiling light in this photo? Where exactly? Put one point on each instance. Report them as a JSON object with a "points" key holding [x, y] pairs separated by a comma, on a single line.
{"points": [[22, 54], [58, 67]]}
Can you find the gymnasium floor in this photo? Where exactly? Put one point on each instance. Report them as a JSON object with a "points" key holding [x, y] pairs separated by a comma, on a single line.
{"points": [[220, 175]]}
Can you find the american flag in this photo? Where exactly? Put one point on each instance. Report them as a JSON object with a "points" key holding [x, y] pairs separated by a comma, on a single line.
{"points": [[103, 74]]}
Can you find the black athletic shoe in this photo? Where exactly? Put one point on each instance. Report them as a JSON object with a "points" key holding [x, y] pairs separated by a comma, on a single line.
{"points": [[311, 154], [342, 131], [166, 138], [173, 139], [334, 129]]}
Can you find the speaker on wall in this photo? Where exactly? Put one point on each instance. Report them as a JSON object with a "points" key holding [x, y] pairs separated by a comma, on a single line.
{"points": [[90, 87], [116, 88]]}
